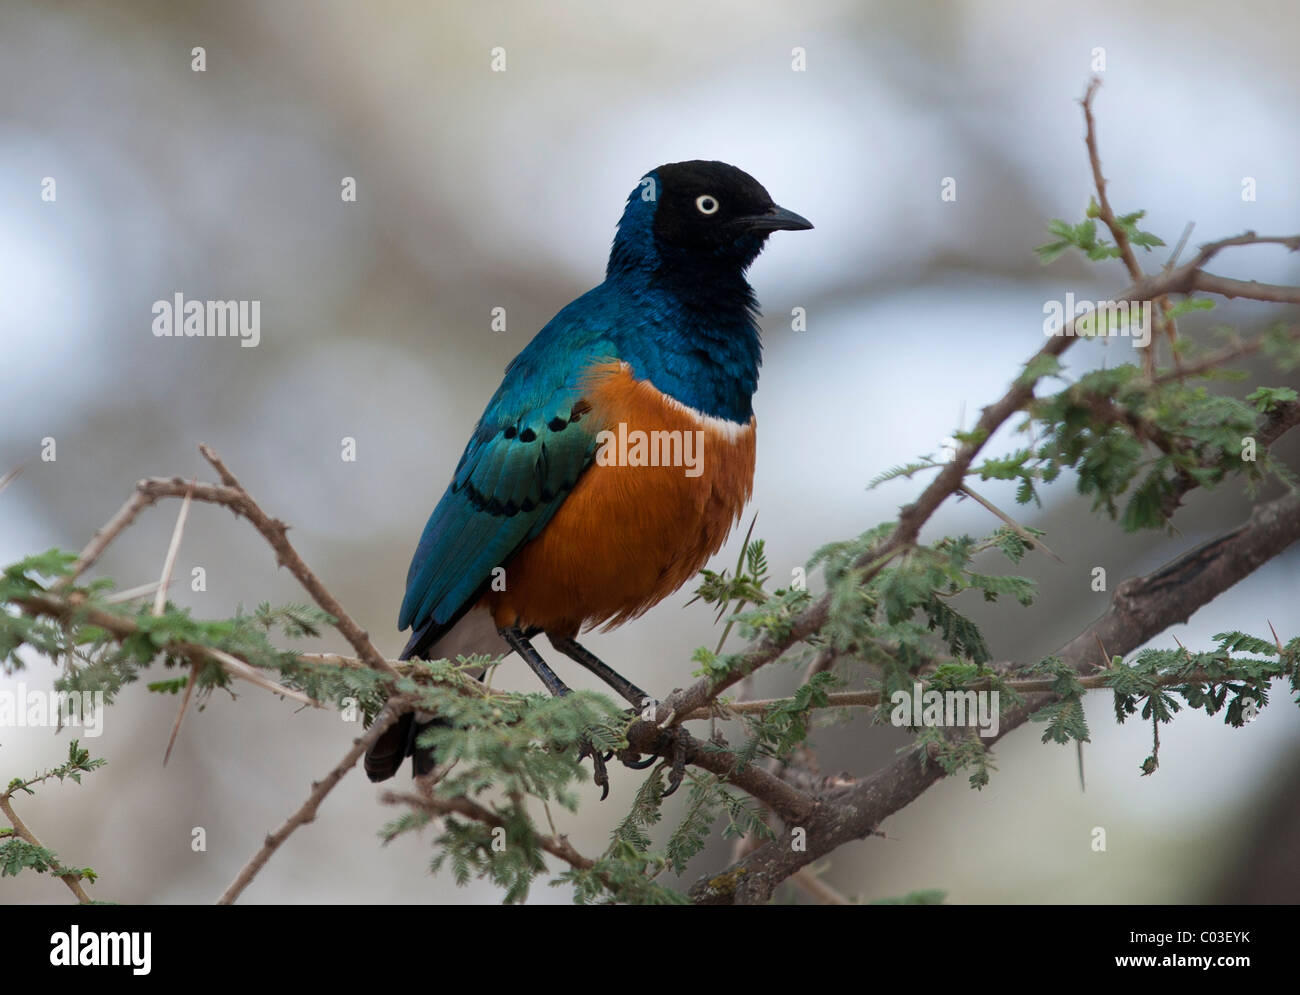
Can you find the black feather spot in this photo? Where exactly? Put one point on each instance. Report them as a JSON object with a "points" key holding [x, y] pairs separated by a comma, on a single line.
{"points": [[510, 432], [557, 424], [527, 435]]}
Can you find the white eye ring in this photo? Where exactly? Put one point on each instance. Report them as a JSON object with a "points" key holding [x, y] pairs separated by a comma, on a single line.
{"points": [[707, 204]]}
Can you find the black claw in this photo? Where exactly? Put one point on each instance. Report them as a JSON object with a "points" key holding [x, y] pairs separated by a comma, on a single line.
{"points": [[599, 773], [673, 744], [680, 741]]}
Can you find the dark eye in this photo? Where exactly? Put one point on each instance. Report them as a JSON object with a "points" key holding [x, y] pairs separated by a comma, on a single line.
{"points": [[706, 204]]}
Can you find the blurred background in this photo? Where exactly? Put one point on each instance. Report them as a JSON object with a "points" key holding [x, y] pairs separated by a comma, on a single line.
{"points": [[478, 189]]}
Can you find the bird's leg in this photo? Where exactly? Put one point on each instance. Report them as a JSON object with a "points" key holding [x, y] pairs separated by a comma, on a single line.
{"points": [[580, 654], [673, 742], [518, 641]]}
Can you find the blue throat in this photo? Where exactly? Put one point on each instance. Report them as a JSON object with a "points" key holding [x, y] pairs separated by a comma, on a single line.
{"points": [[688, 322]]}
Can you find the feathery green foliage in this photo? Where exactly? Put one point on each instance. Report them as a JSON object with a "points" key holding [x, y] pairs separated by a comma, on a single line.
{"points": [[18, 854]]}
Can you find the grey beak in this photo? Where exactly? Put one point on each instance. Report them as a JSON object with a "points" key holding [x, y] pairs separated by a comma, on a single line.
{"points": [[775, 219]]}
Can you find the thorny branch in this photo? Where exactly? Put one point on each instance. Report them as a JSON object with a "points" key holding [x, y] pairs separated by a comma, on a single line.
{"points": [[1107, 216], [232, 495], [70, 878], [557, 846], [307, 811], [1142, 608]]}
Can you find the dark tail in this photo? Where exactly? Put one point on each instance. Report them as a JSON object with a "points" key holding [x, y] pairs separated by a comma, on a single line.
{"points": [[384, 759]]}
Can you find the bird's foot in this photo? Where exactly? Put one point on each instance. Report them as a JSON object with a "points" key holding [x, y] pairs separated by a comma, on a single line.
{"points": [[673, 744], [600, 773], [676, 752]]}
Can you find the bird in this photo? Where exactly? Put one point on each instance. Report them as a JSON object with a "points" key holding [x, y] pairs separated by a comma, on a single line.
{"points": [[614, 458]]}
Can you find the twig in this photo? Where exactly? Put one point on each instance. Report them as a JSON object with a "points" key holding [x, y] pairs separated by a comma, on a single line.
{"points": [[174, 547], [105, 534], [1116, 229], [1104, 211], [1211, 249], [232, 495], [1181, 244], [1214, 360], [70, 878], [131, 593], [121, 627], [1280, 421], [160, 604], [871, 698], [10, 477], [274, 531], [351, 662], [238, 668], [818, 888], [556, 845], [180, 712], [1031, 540], [1249, 289], [307, 812]]}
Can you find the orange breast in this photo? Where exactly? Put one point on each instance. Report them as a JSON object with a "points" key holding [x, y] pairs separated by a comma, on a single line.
{"points": [[631, 532]]}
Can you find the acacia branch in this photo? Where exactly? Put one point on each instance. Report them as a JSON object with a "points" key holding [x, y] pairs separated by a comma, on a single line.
{"points": [[871, 698], [231, 494], [1215, 360], [1248, 289], [1141, 609], [307, 811], [72, 608], [1211, 249], [1107, 216], [783, 798], [71, 878], [1281, 420], [105, 535], [274, 531], [557, 845]]}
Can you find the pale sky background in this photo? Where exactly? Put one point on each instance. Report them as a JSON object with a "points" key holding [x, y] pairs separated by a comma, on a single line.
{"points": [[480, 189]]}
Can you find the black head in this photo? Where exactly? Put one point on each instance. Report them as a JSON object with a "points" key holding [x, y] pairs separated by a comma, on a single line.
{"points": [[684, 215], [710, 205]]}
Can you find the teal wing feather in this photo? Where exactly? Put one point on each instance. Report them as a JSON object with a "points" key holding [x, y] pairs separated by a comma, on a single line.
{"points": [[527, 453]]}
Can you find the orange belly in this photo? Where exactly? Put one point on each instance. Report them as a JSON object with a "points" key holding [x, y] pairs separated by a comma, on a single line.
{"points": [[629, 535]]}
